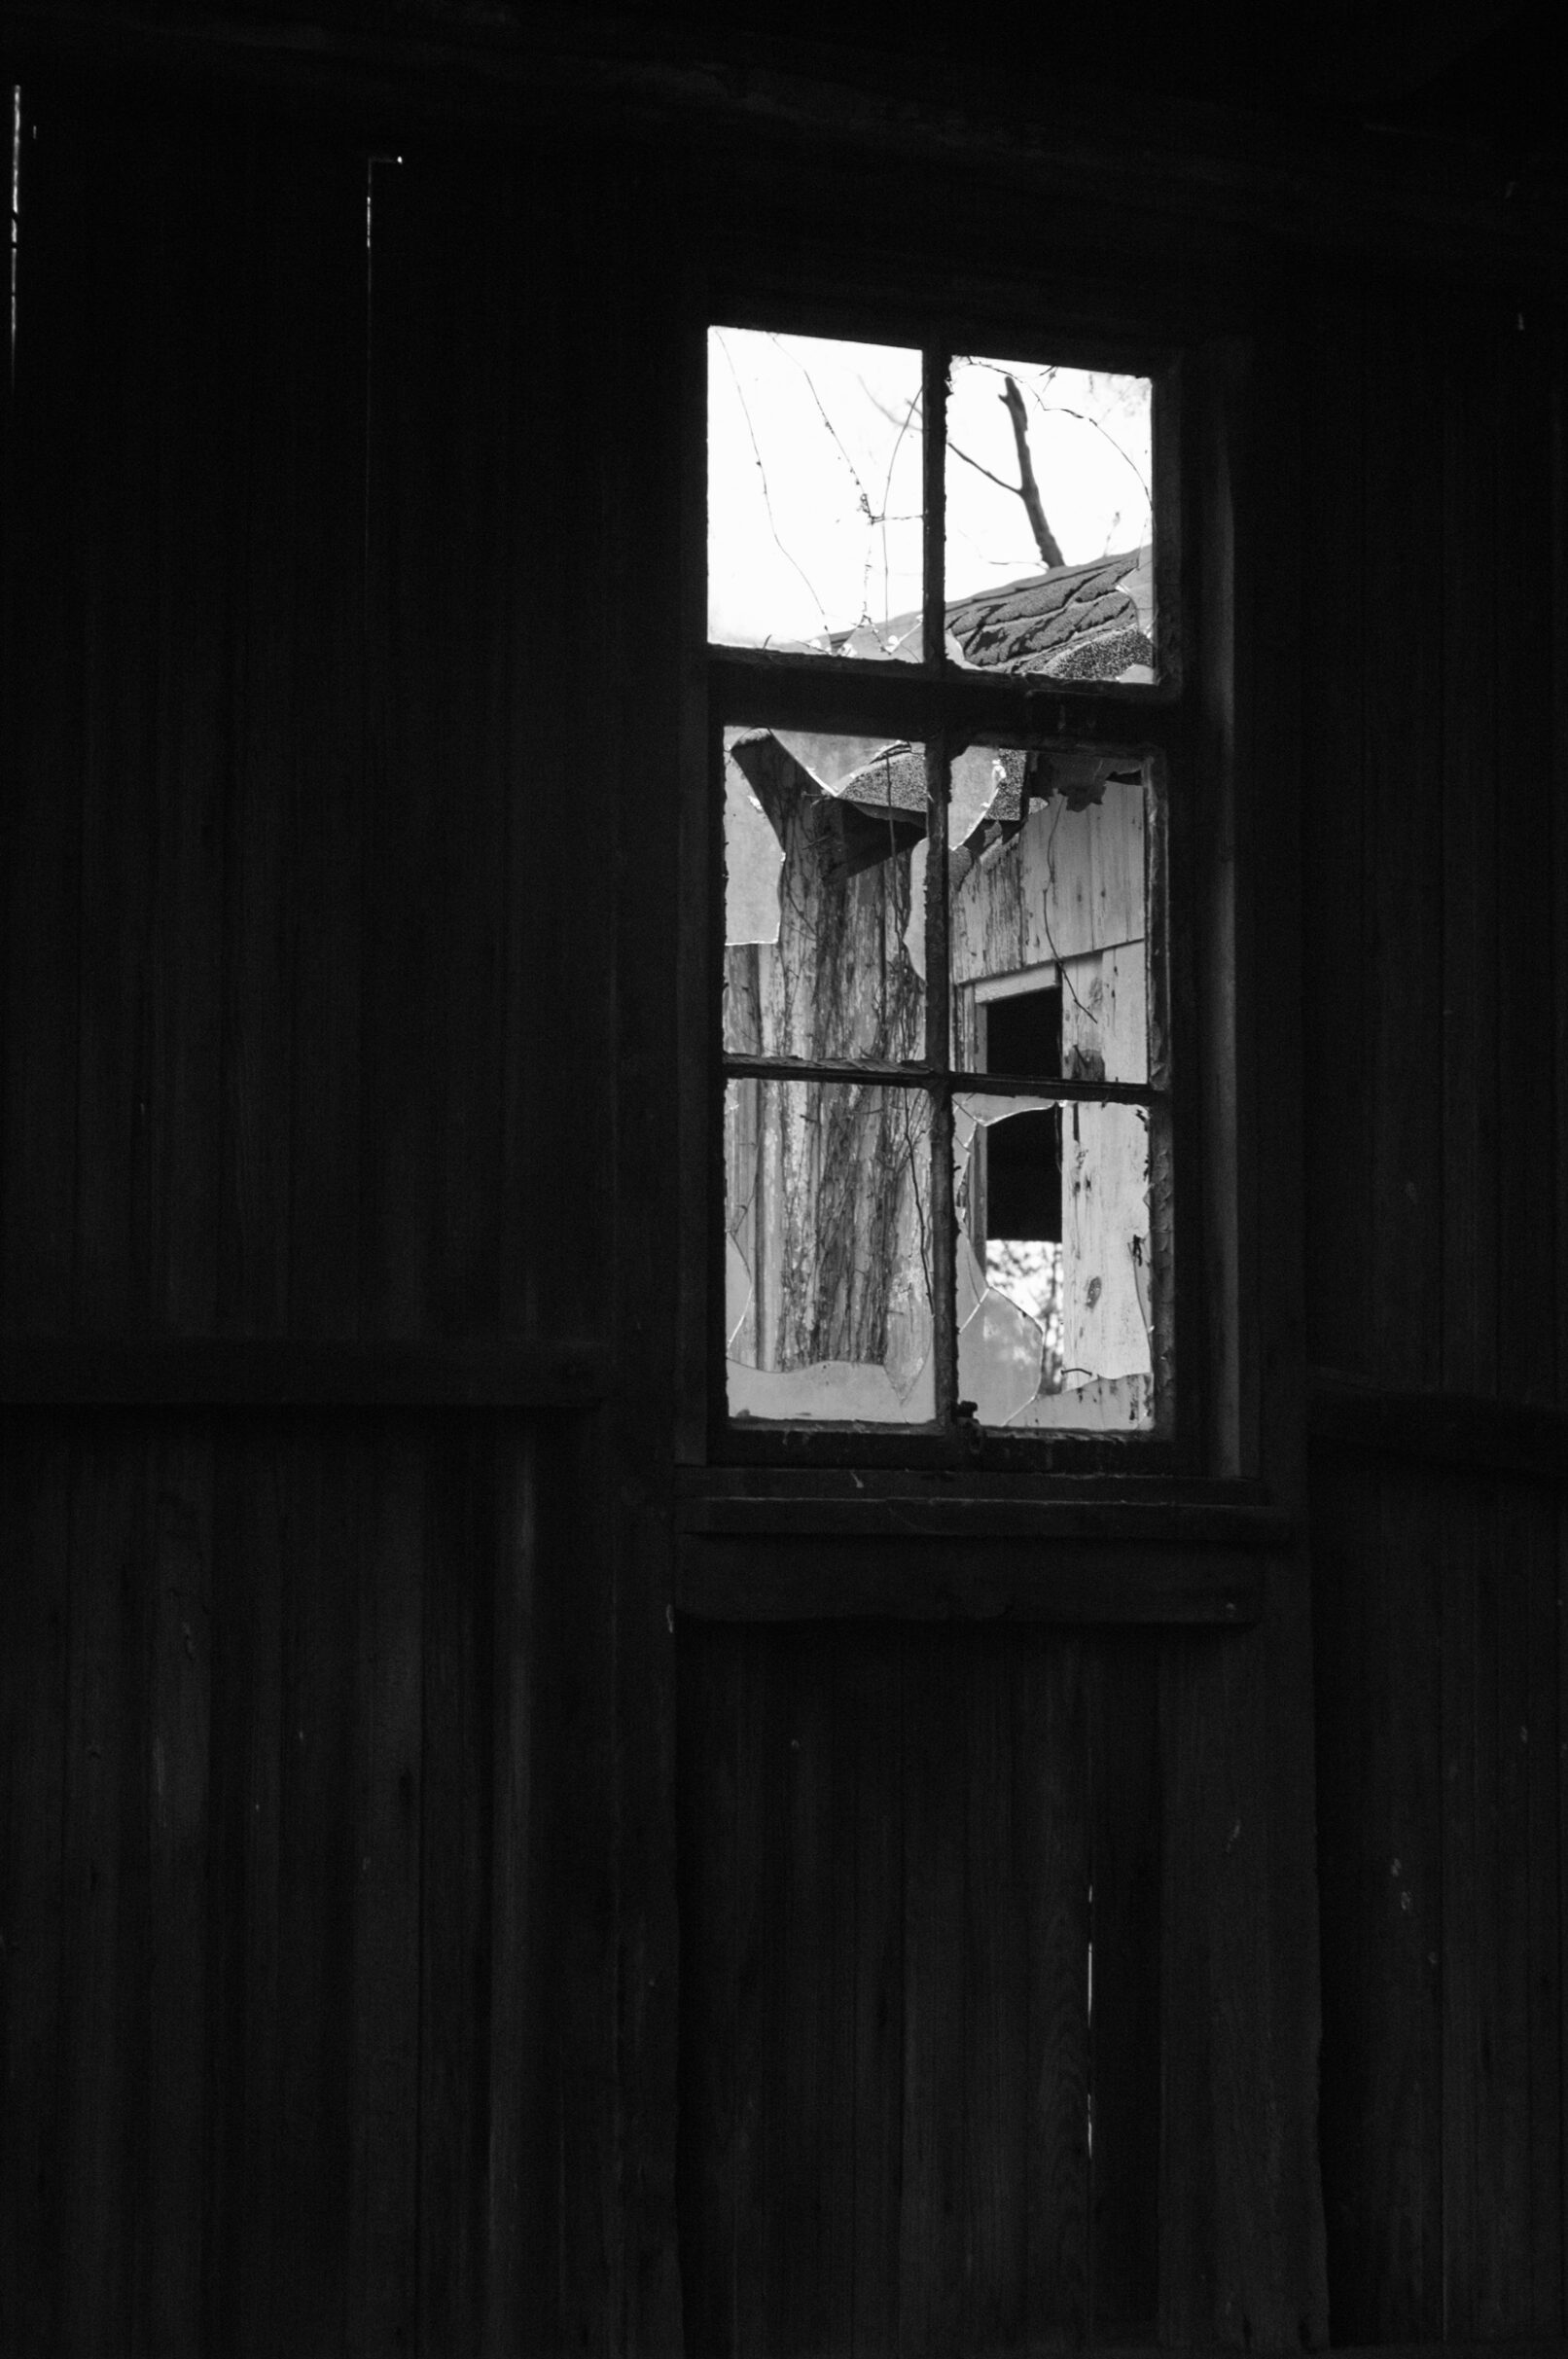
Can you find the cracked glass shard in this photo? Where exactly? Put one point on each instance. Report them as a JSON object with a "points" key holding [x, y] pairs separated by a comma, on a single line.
{"points": [[814, 492], [1048, 893], [1053, 1268], [819, 898], [976, 778], [1002, 1332], [753, 857], [1048, 520], [828, 1225]]}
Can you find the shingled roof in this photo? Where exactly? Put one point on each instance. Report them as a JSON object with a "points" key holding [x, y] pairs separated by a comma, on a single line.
{"points": [[1074, 623]]}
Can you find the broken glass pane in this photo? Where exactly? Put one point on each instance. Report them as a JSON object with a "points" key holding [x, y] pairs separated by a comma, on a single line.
{"points": [[1049, 905], [814, 492], [1055, 1245], [827, 1310], [824, 914], [1049, 524]]}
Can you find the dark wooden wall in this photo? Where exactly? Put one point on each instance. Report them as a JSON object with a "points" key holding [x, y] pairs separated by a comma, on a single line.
{"points": [[354, 1763], [328, 1998], [1436, 959], [906, 2125]]}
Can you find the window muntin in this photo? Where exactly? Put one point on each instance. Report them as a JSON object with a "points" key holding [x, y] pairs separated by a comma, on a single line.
{"points": [[883, 892]]}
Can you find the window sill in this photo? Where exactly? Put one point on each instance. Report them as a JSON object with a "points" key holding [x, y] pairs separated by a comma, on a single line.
{"points": [[908, 1556]]}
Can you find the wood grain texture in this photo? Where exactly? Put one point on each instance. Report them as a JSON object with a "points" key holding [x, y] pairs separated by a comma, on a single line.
{"points": [[638, 510], [1442, 2052], [1436, 1536], [1529, 957], [1240, 2229], [833, 1577], [342, 1768], [46, 411], [456, 1839], [1337, 882], [294, 883], [1123, 1709], [1402, 551], [302, 1933], [270, 1372], [1483, 1434], [36, 1538], [1379, 1668], [1476, 613], [104, 1934], [887, 1841]]}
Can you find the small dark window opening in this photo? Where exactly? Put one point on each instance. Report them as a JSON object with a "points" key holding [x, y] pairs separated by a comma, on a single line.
{"points": [[1023, 1154]]}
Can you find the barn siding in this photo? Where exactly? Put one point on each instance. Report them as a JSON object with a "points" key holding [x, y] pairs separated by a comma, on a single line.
{"points": [[314, 1967], [1435, 965], [340, 1778]]}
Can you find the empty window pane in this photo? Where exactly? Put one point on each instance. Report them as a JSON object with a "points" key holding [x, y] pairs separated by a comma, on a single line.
{"points": [[814, 493], [825, 917], [1050, 892], [827, 1308], [1049, 523], [1053, 1293]]}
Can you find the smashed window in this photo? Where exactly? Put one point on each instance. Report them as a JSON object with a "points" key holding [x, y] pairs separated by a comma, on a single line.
{"points": [[945, 1090]]}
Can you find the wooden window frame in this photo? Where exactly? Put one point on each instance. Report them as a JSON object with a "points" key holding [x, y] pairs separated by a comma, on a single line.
{"points": [[1181, 723]]}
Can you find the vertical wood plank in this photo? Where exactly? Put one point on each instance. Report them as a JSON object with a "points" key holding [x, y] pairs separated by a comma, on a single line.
{"points": [[1471, 687], [103, 1850], [268, 733], [1548, 2175], [1336, 882], [639, 510], [455, 1839], [36, 1473], [933, 2255], [245, 2143], [1124, 1843], [174, 2034], [1528, 1536], [185, 354], [1460, 1575], [813, 2215], [1054, 1866], [757, 2015], [1402, 553], [156, 691], [512, 2225], [1527, 994], [1555, 1522], [454, 477], [1506, 2174], [995, 2124], [1382, 1655], [42, 712], [322, 1502], [120, 824], [1555, 365], [589, 2179], [875, 1805], [709, 2166], [385, 1815], [1240, 2241], [305, 751]]}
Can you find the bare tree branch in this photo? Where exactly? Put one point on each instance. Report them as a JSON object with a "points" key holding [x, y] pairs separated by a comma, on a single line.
{"points": [[984, 471], [1044, 540]]}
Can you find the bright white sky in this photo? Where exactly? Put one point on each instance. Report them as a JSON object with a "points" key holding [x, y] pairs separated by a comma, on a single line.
{"points": [[815, 479]]}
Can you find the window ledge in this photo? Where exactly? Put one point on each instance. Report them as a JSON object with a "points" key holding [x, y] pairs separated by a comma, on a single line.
{"points": [[748, 1558]]}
